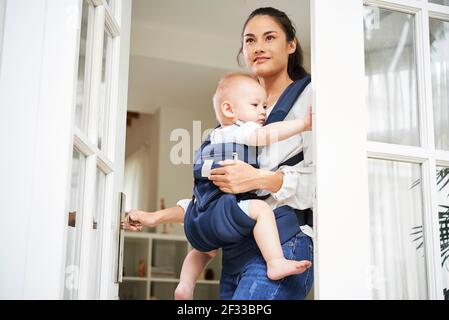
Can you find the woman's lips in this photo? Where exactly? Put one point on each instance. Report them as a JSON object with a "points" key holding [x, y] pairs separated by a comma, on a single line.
{"points": [[261, 60]]}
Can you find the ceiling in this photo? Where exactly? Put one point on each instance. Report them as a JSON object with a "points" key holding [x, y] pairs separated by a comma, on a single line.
{"points": [[179, 49]]}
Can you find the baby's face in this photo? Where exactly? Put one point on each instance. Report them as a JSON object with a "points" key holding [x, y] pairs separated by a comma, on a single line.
{"points": [[250, 102]]}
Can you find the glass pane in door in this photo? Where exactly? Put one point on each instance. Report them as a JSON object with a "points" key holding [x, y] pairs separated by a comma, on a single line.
{"points": [[439, 63], [74, 221], [443, 217], [398, 256], [97, 235], [81, 94], [390, 76], [443, 2], [104, 92]]}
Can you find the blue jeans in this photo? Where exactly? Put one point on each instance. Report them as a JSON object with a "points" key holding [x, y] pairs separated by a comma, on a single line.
{"points": [[252, 282]]}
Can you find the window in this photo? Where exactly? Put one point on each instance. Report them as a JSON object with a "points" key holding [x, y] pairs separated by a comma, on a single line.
{"points": [[406, 45]]}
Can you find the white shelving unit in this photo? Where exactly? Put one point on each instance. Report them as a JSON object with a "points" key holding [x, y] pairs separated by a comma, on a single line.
{"points": [[160, 251]]}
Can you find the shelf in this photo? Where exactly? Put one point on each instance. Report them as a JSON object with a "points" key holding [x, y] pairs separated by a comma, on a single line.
{"points": [[135, 279], [171, 280], [160, 252], [208, 282], [157, 236]]}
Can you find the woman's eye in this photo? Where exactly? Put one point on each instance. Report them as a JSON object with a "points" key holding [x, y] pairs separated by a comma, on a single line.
{"points": [[269, 38], [249, 40]]}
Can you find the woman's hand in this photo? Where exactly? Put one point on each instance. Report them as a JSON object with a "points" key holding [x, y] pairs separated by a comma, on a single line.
{"points": [[308, 119], [136, 219], [236, 176]]}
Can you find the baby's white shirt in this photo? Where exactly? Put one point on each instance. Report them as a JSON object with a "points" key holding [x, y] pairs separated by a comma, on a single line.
{"points": [[240, 133]]}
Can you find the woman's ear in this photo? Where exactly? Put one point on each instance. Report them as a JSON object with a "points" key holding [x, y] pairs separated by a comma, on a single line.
{"points": [[292, 46], [227, 109]]}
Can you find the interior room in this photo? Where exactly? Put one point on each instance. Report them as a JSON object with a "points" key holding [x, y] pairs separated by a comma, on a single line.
{"points": [[179, 50]]}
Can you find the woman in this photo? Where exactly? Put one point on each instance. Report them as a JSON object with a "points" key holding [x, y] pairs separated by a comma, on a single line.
{"points": [[271, 51]]}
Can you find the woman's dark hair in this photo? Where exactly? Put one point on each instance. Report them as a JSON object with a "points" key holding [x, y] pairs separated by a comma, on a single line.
{"points": [[295, 67]]}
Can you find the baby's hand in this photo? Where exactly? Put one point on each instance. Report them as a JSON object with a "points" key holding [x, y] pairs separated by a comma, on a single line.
{"points": [[308, 120]]}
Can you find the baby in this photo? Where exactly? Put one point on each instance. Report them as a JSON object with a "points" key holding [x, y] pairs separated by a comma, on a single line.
{"points": [[240, 107]]}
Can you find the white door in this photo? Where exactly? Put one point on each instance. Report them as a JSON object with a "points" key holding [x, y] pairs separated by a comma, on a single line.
{"points": [[91, 266], [63, 101]]}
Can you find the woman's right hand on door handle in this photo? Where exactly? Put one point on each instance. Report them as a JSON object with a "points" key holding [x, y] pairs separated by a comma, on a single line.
{"points": [[136, 219]]}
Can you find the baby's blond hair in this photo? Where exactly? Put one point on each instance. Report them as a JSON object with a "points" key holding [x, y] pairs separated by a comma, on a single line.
{"points": [[227, 84]]}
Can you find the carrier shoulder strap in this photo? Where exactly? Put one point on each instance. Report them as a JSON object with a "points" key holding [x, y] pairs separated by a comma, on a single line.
{"points": [[282, 108], [287, 100]]}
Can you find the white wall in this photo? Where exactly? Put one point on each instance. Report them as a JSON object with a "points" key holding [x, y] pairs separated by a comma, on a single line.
{"points": [[176, 181], [145, 131], [37, 85]]}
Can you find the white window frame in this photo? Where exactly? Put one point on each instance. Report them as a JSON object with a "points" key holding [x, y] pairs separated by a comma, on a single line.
{"points": [[426, 155], [342, 149]]}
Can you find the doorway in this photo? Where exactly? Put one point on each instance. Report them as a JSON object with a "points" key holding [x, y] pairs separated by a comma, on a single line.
{"points": [[179, 50]]}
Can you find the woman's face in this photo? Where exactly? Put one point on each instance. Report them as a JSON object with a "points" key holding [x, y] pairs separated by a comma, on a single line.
{"points": [[265, 46]]}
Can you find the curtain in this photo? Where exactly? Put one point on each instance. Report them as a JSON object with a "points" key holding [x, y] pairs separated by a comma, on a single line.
{"points": [[390, 76], [439, 57], [398, 266], [138, 184]]}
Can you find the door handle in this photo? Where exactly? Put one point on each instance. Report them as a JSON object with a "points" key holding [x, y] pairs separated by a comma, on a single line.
{"points": [[121, 237], [72, 219]]}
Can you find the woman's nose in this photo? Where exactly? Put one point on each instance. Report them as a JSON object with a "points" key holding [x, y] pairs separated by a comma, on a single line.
{"points": [[258, 47]]}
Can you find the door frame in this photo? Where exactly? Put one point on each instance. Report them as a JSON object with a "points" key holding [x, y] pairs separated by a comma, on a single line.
{"points": [[341, 268]]}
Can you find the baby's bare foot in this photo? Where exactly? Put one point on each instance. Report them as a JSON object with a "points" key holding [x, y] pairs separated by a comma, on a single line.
{"points": [[184, 291], [281, 268]]}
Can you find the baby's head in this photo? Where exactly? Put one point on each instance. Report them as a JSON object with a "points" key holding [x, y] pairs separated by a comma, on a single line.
{"points": [[239, 96]]}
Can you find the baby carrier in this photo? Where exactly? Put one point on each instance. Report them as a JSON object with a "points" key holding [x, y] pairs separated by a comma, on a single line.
{"points": [[214, 219]]}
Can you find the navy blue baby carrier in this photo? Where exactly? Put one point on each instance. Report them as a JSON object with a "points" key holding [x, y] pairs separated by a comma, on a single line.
{"points": [[214, 219]]}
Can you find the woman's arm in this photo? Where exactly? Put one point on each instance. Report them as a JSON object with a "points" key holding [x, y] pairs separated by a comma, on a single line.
{"points": [[236, 176], [136, 219], [279, 131]]}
